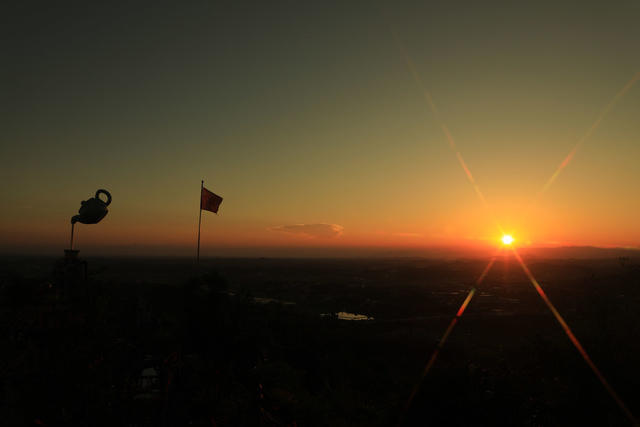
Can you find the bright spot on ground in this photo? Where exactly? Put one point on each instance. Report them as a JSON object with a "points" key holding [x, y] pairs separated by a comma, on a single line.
{"points": [[507, 239]]}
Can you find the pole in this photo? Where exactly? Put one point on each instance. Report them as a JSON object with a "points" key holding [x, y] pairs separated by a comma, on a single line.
{"points": [[71, 244], [199, 222]]}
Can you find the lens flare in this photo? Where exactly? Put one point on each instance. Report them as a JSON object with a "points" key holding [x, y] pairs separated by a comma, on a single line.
{"points": [[446, 334], [574, 339], [589, 132]]}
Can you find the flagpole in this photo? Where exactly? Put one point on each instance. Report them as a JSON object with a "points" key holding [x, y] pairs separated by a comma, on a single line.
{"points": [[199, 222]]}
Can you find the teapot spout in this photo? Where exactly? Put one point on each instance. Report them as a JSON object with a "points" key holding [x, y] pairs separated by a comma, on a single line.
{"points": [[75, 219]]}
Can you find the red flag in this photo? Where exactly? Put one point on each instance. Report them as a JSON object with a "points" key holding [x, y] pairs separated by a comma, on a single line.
{"points": [[209, 201]]}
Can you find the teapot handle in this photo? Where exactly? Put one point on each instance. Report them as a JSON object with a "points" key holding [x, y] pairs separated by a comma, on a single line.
{"points": [[105, 192]]}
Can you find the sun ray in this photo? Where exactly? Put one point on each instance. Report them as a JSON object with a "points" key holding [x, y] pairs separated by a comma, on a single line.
{"points": [[574, 340], [588, 134], [443, 339], [507, 239], [445, 130]]}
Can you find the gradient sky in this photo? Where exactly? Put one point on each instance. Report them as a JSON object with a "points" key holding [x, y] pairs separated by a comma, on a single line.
{"points": [[302, 115]]}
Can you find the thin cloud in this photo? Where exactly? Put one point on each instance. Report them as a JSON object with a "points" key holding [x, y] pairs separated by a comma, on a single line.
{"points": [[326, 231]]}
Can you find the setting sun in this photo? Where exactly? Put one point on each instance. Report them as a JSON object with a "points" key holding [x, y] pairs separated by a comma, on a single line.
{"points": [[507, 239]]}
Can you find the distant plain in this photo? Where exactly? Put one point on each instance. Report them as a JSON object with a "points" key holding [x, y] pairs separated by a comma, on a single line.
{"points": [[273, 324]]}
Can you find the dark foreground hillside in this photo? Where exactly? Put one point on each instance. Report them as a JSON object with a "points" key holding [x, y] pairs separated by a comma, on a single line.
{"points": [[158, 342]]}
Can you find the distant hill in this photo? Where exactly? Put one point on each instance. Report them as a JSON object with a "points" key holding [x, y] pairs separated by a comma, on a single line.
{"points": [[581, 252]]}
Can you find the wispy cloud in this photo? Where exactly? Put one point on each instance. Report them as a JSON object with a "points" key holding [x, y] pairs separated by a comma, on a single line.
{"points": [[311, 230]]}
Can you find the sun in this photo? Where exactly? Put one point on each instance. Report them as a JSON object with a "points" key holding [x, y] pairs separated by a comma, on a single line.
{"points": [[507, 239]]}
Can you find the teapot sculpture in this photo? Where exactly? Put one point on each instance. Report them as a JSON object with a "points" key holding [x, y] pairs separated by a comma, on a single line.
{"points": [[93, 210]]}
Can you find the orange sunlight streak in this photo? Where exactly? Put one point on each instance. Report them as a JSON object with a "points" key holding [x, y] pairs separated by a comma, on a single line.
{"points": [[589, 132], [446, 334], [574, 340], [445, 129]]}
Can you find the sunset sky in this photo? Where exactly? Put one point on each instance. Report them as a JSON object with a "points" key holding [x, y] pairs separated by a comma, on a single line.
{"points": [[309, 122]]}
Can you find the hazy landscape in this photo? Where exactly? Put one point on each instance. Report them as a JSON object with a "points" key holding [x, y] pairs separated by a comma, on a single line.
{"points": [[259, 341]]}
